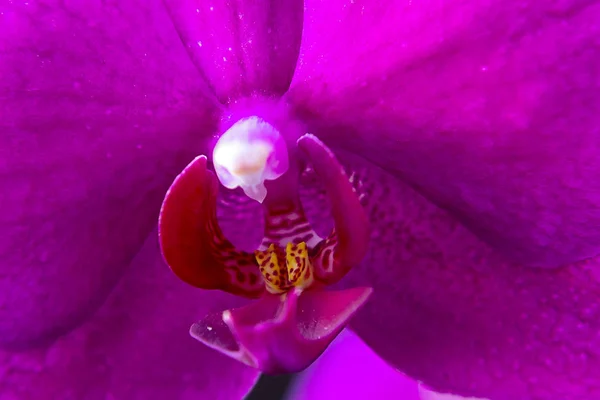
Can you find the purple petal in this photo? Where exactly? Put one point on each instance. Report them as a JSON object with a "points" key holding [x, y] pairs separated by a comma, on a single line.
{"points": [[349, 369], [136, 347], [281, 334], [488, 108], [451, 312], [100, 109], [241, 47]]}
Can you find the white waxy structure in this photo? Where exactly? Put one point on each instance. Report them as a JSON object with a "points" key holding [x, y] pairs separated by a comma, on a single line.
{"points": [[247, 154]]}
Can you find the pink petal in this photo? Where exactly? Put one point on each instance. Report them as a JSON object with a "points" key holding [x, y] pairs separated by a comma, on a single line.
{"points": [[450, 311], [137, 347], [281, 334], [100, 107], [349, 369], [241, 47], [490, 109]]}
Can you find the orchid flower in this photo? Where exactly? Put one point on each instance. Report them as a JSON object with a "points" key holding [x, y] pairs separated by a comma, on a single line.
{"points": [[295, 319], [468, 132]]}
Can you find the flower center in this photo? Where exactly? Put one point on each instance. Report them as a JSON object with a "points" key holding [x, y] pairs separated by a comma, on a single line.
{"points": [[247, 154], [284, 271], [287, 329]]}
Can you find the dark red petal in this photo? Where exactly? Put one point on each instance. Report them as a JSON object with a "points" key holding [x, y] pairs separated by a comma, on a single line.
{"points": [[281, 334], [192, 242], [348, 243]]}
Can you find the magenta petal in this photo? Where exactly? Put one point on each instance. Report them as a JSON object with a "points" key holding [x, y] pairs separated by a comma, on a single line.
{"points": [[349, 369], [282, 334], [136, 347], [100, 108], [489, 108], [451, 312], [241, 47]]}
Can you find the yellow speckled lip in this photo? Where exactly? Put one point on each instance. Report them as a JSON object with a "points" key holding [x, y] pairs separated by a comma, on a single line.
{"points": [[298, 271]]}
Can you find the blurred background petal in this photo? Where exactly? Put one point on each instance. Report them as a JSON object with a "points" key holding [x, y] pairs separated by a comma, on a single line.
{"points": [[241, 47], [101, 108], [349, 369], [137, 347], [488, 108]]}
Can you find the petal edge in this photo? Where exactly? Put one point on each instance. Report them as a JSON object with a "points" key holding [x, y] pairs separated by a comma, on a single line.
{"points": [[192, 243]]}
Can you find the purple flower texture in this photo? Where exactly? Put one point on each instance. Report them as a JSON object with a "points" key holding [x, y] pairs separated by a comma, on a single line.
{"points": [[424, 174]]}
